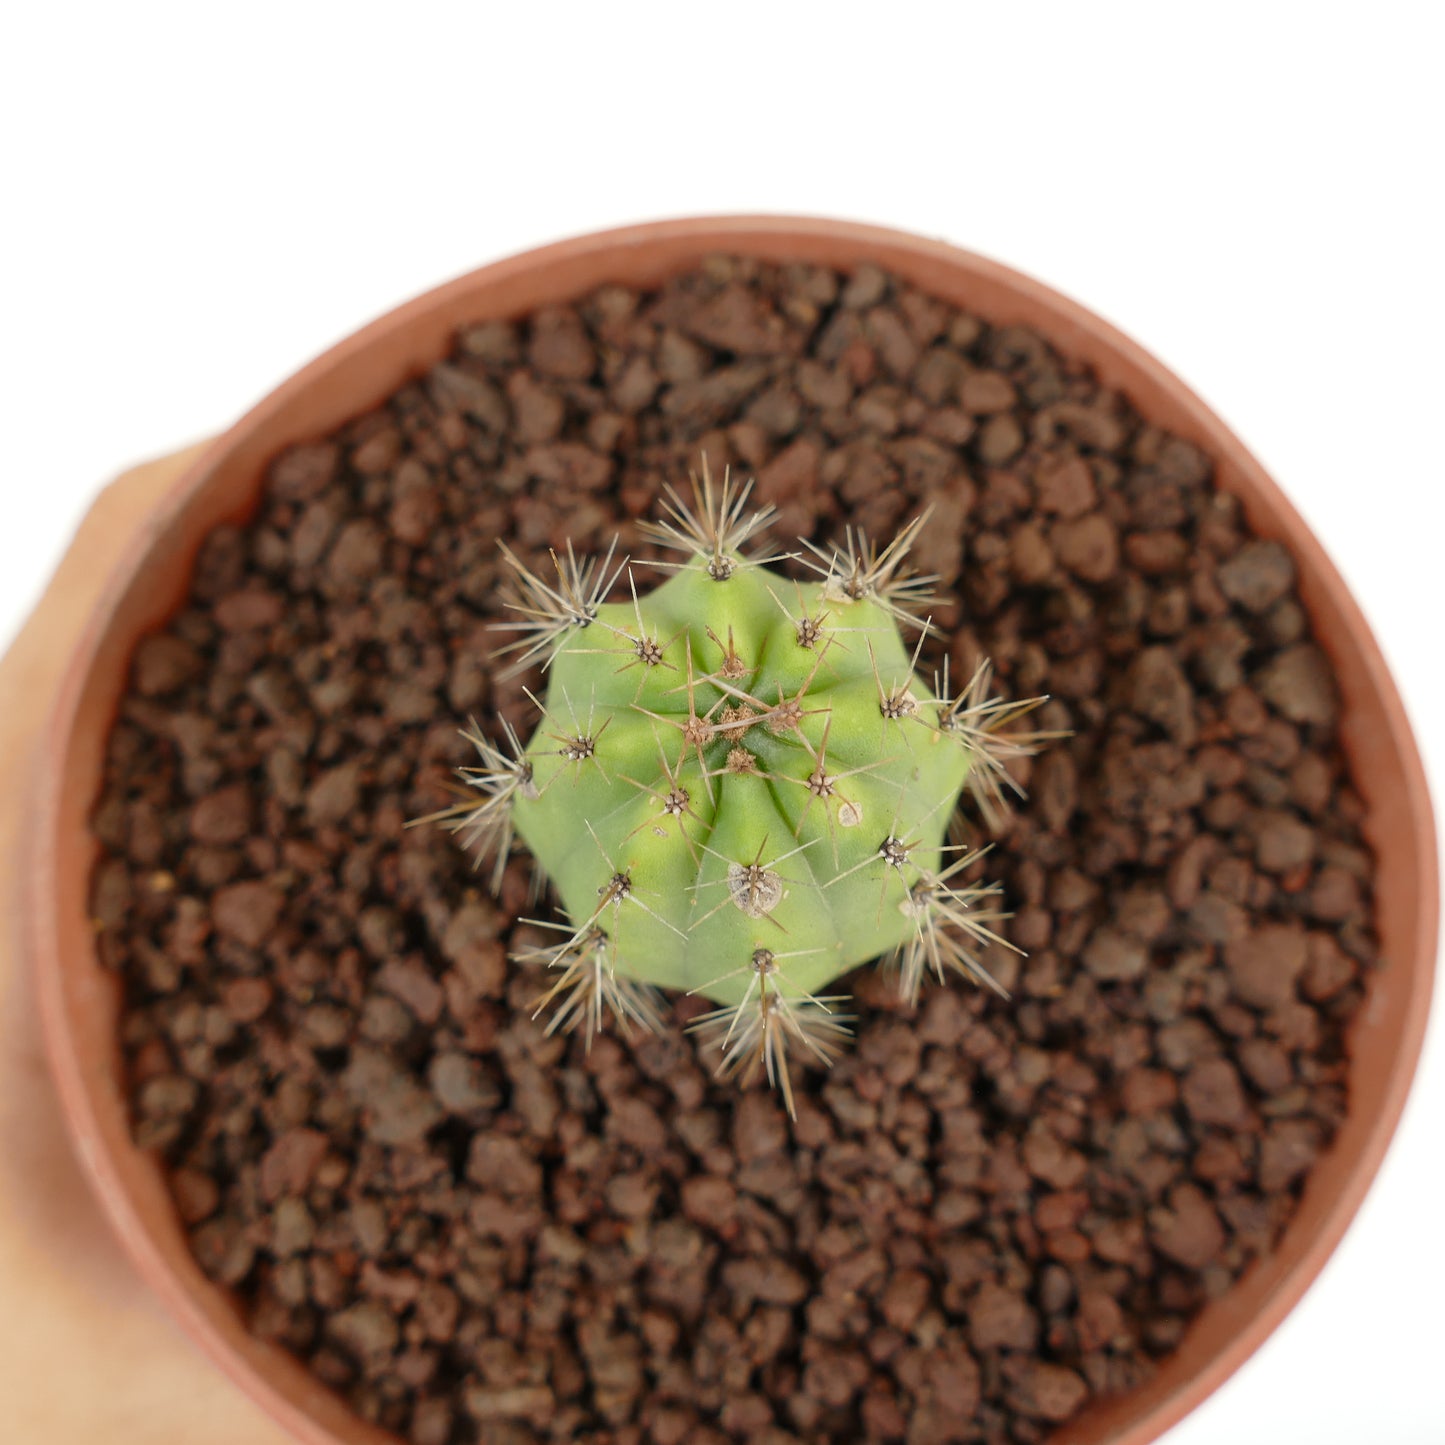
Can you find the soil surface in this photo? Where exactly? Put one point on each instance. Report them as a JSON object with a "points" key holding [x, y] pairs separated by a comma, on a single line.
{"points": [[989, 1212]]}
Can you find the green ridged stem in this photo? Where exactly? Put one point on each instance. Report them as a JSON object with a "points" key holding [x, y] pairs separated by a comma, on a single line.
{"points": [[612, 750]]}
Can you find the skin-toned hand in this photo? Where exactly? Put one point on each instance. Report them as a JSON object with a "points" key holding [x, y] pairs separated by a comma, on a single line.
{"points": [[85, 1353]]}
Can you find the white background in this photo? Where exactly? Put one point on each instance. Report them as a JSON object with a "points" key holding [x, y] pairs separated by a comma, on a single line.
{"points": [[197, 199]]}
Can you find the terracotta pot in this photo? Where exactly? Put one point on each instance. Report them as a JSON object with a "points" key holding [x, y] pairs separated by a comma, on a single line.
{"points": [[80, 1001]]}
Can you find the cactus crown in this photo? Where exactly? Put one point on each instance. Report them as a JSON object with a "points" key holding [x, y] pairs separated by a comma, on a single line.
{"points": [[740, 787]]}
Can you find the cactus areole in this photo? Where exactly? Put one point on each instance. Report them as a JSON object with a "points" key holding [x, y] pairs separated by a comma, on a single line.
{"points": [[739, 786]]}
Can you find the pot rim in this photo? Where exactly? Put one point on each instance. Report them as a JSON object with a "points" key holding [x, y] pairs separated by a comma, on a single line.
{"points": [[1072, 329]]}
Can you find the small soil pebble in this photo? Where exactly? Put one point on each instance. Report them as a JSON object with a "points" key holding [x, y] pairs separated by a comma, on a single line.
{"points": [[1257, 575], [991, 1211]]}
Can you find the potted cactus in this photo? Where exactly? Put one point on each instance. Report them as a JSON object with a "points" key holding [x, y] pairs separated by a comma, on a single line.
{"points": [[739, 786], [733, 783]]}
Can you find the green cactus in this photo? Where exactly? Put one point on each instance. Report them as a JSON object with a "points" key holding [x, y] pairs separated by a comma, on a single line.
{"points": [[740, 787]]}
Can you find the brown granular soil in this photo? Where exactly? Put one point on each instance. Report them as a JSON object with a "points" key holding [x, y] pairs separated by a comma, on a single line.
{"points": [[989, 1212]]}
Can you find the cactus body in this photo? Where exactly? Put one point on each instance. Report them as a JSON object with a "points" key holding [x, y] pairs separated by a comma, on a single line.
{"points": [[740, 787], [744, 784]]}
